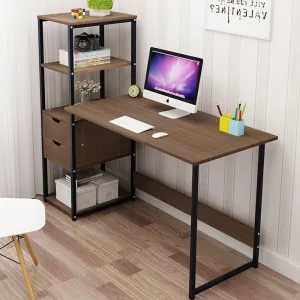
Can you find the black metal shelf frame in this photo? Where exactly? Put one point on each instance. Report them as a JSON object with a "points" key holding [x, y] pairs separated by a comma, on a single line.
{"points": [[71, 75]]}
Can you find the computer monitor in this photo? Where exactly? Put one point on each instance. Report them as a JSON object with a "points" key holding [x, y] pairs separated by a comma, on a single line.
{"points": [[173, 79]]}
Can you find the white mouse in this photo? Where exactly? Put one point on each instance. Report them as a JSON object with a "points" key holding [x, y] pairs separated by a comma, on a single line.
{"points": [[159, 135]]}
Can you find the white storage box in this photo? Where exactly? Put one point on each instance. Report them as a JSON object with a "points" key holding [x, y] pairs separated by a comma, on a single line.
{"points": [[86, 195], [107, 188]]}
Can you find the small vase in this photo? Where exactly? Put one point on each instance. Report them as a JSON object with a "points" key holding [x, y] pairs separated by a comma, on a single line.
{"points": [[99, 12], [85, 98]]}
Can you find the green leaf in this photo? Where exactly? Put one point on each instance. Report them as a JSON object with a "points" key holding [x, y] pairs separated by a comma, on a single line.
{"points": [[101, 4]]}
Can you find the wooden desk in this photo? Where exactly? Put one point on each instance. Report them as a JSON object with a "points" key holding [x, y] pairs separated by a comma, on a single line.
{"points": [[194, 139]]}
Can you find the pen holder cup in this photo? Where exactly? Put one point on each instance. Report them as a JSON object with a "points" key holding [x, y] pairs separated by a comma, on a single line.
{"points": [[225, 123], [237, 128]]}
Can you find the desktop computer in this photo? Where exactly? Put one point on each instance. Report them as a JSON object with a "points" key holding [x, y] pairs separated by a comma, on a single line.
{"points": [[173, 79]]}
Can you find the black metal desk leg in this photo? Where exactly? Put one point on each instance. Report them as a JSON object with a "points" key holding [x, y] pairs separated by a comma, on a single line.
{"points": [[43, 104], [102, 74], [259, 191], [133, 168], [193, 241], [72, 124], [133, 52]]}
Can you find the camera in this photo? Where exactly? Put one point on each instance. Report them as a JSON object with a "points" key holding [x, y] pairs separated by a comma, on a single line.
{"points": [[87, 42]]}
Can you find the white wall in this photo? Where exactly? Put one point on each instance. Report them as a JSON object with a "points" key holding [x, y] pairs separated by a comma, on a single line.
{"points": [[265, 74]]}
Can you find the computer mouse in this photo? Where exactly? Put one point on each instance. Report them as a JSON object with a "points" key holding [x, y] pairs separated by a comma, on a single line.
{"points": [[159, 135]]}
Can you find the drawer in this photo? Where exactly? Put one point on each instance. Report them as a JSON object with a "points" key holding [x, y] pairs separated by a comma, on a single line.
{"points": [[97, 144], [56, 129], [93, 144], [57, 152]]}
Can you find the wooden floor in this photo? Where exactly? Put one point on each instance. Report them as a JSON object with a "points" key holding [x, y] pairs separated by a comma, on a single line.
{"points": [[131, 252]]}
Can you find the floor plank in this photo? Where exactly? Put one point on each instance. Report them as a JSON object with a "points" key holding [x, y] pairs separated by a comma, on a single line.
{"points": [[113, 292], [131, 252], [125, 267]]}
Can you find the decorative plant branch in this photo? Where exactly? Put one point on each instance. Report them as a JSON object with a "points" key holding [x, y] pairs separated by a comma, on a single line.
{"points": [[101, 4], [87, 86]]}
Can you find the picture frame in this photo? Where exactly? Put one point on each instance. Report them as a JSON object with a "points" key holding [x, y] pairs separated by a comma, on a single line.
{"points": [[250, 18]]}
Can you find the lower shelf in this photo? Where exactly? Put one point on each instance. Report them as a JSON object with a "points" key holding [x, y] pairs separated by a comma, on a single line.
{"points": [[59, 205], [123, 196]]}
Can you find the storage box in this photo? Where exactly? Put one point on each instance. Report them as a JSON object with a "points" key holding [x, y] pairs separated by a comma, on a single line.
{"points": [[225, 123], [237, 128], [107, 188], [86, 195]]}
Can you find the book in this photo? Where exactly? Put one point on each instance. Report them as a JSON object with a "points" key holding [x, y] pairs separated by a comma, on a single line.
{"points": [[91, 56], [83, 58], [90, 64], [91, 52], [86, 176], [94, 60]]}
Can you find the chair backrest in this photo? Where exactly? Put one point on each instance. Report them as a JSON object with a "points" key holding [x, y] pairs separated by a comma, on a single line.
{"points": [[18, 216]]}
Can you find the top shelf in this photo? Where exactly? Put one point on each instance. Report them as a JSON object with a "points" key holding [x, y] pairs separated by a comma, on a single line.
{"points": [[66, 19]]}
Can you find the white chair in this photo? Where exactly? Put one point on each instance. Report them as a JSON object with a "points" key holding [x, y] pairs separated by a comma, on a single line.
{"points": [[17, 218]]}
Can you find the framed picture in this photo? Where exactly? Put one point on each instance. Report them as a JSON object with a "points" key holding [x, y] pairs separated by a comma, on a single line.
{"points": [[243, 17]]}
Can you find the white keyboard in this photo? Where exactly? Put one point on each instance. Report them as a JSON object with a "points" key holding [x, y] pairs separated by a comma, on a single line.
{"points": [[132, 124]]}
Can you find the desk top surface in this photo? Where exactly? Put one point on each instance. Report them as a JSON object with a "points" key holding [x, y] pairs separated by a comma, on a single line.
{"points": [[195, 139]]}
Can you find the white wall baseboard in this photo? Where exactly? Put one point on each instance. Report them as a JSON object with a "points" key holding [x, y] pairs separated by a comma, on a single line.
{"points": [[268, 258], [280, 264]]}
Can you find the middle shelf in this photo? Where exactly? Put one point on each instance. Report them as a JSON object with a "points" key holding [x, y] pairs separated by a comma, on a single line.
{"points": [[115, 63]]}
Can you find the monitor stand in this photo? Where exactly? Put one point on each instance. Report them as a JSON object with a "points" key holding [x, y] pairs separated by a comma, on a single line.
{"points": [[174, 113]]}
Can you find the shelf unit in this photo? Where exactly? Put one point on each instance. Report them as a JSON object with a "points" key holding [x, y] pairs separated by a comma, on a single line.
{"points": [[62, 119]]}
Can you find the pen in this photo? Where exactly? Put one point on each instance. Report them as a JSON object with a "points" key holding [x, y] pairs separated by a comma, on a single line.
{"points": [[219, 109], [244, 109], [240, 106], [236, 114]]}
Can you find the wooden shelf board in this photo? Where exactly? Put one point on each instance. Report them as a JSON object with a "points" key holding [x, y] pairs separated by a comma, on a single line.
{"points": [[114, 64], [66, 19], [123, 195], [207, 215], [59, 205], [88, 166]]}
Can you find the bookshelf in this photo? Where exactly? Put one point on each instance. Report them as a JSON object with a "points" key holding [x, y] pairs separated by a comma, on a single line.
{"points": [[71, 143]]}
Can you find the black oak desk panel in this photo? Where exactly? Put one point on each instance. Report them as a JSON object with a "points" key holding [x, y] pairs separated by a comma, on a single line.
{"points": [[194, 139]]}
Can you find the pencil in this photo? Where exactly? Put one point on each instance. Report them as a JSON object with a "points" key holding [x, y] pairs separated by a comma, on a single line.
{"points": [[236, 114], [219, 109], [244, 109]]}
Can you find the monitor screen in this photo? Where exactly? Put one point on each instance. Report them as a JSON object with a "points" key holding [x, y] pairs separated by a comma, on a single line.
{"points": [[174, 76]]}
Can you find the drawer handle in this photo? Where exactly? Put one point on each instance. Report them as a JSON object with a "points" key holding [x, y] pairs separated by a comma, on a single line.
{"points": [[56, 120], [56, 143]]}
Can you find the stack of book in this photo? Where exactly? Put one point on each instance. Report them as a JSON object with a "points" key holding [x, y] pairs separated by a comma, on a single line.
{"points": [[86, 59], [86, 176]]}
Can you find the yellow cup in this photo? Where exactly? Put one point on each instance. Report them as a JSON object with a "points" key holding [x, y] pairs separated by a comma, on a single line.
{"points": [[225, 123]]}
